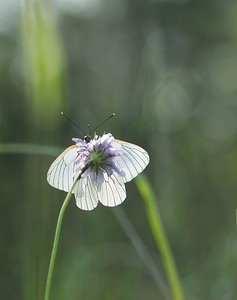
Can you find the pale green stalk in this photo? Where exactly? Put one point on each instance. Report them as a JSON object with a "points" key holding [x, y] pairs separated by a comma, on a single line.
{"points": [[56, 239], [160, 237]]}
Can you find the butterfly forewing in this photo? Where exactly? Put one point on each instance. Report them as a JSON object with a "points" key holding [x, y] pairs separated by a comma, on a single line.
{"points": [[133, 161], [61, 172]]}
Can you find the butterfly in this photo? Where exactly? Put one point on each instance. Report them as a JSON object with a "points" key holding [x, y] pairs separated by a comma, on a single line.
{"points": [[105, 163]]}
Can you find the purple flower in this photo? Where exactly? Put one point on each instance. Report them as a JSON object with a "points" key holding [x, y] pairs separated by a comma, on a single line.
{"points": [[97, 156]]}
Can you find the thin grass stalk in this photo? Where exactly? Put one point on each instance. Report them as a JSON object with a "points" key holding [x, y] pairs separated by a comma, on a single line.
{"points": [[159, 234]]}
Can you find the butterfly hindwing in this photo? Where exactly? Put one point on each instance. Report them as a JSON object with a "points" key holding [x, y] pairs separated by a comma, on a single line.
{"points": [[110, 193], [86, 194]]}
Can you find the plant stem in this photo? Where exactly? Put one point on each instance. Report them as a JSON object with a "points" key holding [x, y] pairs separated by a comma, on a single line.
{"points": [[160, 236], [56, 239], [142, 251]]}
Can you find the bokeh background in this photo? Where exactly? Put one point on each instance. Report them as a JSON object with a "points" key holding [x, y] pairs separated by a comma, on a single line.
{"points": [[168, 69]]}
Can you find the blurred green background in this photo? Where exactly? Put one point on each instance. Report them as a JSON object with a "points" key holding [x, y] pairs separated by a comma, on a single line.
{"points": [[168, 69]]}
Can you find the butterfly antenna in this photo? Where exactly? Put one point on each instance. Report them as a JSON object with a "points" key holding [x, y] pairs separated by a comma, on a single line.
{"points": [[113, 114], [69, 119], [89, 129]]}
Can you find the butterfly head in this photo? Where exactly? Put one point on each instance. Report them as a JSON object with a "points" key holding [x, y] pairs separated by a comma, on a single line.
{"points": [[87, 139]]}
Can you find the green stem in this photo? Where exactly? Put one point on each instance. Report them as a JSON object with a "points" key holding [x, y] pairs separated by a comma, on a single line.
{"points": [[142, 251], [56, 239], [160, 236]]}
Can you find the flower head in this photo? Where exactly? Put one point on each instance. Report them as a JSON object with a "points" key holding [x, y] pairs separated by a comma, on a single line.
{"points": [[97, 156]]}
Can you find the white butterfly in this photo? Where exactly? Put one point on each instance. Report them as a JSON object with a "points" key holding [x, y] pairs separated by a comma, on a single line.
{"points": [[88, 191]]}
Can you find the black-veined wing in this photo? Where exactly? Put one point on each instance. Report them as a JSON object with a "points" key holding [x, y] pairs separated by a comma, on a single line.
{"points": [[133, 161]]}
